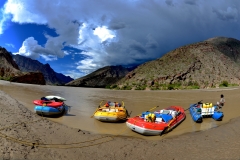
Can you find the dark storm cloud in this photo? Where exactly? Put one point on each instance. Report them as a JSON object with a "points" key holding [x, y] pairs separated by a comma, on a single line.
{"points": [[116, 26], [142, 29], [169, 2], [137, 47], [228, 14], [190, 2]]}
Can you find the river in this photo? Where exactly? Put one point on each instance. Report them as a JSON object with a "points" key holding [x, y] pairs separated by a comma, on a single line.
{"points": [[84, 101]]}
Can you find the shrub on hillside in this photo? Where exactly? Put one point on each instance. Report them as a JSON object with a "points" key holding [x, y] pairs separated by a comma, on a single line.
{"points": [[6, 78], [113, 86], [224, 84], [108, 86], [141, 87], [126, 87]]}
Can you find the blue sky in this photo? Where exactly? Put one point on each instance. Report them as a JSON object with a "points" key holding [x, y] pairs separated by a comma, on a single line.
{"points": [[77, 37]]}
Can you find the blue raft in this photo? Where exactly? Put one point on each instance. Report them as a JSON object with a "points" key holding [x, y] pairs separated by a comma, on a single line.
{"points": [[217, 115], [198, 112], [50, 111], [195, 112]]}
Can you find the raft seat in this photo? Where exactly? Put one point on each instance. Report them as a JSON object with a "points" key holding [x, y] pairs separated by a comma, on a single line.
{"points": [[158, 120], [112, 110], [163, 111], [105, 110]]}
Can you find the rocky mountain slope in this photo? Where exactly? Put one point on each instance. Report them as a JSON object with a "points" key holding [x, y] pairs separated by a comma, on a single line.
{"points": [[9, 70], [8, 67], [30, 78], [211, 63], [52, 78], [102, 77]]}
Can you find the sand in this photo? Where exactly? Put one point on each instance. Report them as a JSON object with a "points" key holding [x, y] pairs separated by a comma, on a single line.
{"points": [[25, 135]]}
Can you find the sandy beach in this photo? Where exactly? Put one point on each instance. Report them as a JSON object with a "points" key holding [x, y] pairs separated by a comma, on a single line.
{"points": [[25, 135]]}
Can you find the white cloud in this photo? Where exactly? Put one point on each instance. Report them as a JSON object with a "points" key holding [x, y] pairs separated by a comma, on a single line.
{"points": [[24, 11], [86, 62], [103, 33], [31, 48], [74, 74], [10, 45], [3, 18], [123, 32]]}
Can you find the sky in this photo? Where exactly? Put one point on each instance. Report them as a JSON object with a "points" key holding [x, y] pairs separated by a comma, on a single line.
{"points": [[77, 37]]}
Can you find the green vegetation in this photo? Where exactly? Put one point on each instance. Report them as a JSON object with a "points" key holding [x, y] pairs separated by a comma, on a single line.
{"points": [[6, 78], [231, 85], [192, 85], [174, 86], [224, 84], [108, 86], [139, 87], [126, 87], [112, 86]]}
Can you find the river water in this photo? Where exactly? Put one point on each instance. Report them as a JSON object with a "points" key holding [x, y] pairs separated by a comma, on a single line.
{"points": [[84, 101]]}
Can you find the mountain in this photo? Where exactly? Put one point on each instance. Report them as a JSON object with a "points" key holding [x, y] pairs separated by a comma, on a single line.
{"points": [[9, 70], [52, 78], [102, 77], [64, 79], [211, 63]]}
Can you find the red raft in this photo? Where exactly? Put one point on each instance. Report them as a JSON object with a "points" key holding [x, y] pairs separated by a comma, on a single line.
{"points": [[158, 122], [48, 103]]}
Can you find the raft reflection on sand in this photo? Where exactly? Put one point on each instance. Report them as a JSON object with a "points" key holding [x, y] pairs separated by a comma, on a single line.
{"points": [[157, 123]]}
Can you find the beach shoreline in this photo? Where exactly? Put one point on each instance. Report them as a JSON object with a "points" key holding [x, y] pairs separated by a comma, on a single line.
{"points": [[27, 140]]}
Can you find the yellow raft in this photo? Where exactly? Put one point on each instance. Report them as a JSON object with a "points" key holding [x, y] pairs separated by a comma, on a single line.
{"points": [[111, 112]]}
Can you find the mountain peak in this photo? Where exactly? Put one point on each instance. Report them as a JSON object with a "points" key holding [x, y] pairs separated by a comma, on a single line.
{"points": [[51, 77]]}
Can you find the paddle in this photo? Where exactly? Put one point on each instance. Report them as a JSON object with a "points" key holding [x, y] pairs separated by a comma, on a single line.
{"points": [[149, 110], [97, 108]]}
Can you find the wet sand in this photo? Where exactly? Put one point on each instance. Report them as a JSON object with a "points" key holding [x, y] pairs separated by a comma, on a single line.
{"points": [[182, 143]]}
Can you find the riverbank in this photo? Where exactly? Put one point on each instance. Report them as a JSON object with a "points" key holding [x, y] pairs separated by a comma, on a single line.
{"points": [[29, 134]]}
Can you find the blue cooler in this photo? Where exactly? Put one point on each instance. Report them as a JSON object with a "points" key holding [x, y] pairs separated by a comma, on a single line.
{"points": [[158, 115], [145, 113]]}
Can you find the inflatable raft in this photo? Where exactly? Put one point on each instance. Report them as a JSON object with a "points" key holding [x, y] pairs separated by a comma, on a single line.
{"points": [[50, 106], [200, 110], [158, 122], [111, 112]]}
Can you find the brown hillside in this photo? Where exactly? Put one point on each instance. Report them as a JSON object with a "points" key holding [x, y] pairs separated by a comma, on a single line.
{"points": [[209, 63], [9, 70], [100, 78]]}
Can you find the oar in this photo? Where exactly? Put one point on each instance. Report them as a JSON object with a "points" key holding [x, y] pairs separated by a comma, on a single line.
{"points": [[128, 115], [149, 110], [123, 105], [97, 108]]}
